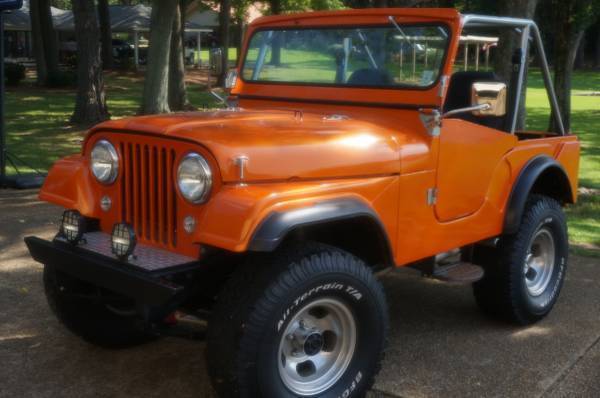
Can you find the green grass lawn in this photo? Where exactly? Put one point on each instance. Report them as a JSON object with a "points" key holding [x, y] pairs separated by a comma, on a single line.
{"points": [[37, 120], [584, 218], [39, 132], [204, 55]]}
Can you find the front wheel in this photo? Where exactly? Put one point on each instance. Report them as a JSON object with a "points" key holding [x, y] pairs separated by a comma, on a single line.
{"points": [[525, 274], [308, 322]]}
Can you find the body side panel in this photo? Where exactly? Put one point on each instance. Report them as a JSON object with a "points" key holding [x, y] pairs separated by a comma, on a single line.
{"points": [[468, 157], [421, 234]]}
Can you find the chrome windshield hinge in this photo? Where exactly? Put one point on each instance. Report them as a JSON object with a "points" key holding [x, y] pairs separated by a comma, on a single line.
{"points": [[443, 86], [432, 194], [432, 121]]}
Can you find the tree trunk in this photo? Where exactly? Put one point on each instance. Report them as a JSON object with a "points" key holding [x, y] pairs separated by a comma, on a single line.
{"points": [[565, 51], [178, 100], [597, 49], [156, 85], [105, 34], [224, 21], [508, 44], [276, 46], [568, 15], [90, 106], [504, 52], [49, 37], [380, 3], [38, 42], [240, 39]]}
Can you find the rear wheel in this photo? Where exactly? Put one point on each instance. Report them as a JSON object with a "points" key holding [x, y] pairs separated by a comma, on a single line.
{"points": [[525, 273], [96, 315], [309, 321]]}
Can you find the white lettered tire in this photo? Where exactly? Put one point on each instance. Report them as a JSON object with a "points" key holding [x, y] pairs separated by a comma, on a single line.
{"points": [[525, 273], [308, 321]]}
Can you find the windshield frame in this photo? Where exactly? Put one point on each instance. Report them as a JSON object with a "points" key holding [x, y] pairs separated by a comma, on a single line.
{"points": [[441, 24]]}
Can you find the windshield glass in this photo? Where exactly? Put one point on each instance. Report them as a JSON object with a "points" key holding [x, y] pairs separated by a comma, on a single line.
{"points": [[387, 56]]}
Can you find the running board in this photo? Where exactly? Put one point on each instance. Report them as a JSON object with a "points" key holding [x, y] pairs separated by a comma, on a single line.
{"points": [[461, 273]]}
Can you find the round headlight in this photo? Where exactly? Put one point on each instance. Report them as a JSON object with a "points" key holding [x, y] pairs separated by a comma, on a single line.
{"points": [[104, 162], [194, 178]]}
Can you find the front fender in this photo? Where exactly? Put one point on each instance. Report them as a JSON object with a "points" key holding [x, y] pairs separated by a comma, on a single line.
{"points": [[68, 185], [278, 224], [257, 217]]}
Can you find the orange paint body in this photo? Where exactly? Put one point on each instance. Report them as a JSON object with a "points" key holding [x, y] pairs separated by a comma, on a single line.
{"points": [[377, 154]]}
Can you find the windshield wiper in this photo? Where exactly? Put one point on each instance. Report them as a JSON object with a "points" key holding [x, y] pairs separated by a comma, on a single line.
{"points": [[363, 40], [262, 54], [419, 47]]}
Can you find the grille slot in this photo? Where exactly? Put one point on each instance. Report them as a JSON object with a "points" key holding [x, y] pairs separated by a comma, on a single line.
{"points": [[148, 198]]}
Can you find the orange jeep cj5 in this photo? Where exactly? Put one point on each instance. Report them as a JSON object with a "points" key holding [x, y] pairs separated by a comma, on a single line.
{"points": [[350, 142]]}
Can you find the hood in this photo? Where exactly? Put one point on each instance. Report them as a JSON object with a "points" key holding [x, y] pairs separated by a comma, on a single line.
{"points": [[279, 145]]}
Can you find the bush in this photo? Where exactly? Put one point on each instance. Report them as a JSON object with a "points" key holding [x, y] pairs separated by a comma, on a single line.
{"points": [[14, 73], [62, 79]]}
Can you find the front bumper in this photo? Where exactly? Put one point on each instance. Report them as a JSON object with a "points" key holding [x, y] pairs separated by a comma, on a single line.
{"points": [[153, 288]]}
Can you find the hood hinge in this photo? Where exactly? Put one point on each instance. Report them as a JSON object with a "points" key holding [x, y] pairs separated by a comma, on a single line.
{"points": [[432, 121]]}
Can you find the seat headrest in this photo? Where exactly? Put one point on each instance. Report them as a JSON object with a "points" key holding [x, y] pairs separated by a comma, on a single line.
{"points": [[370, 77]]}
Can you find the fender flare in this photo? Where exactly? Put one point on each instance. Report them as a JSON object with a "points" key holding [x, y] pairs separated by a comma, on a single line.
{"points": [[523, 186], [278, 224]]}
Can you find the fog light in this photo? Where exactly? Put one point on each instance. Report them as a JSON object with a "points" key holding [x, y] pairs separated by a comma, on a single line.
{"points": [[72, 226], [122, 241]]}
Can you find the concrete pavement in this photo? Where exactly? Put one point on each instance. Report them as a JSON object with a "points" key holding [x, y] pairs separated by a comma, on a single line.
{"points": [[440, 343]]}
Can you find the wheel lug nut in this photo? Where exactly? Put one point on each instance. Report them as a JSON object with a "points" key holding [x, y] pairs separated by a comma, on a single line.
{"points": [[290, 336]]}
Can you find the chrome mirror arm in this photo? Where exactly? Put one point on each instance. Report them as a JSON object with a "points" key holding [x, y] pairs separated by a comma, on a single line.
{"points": [[481, 107], [231, 105], [218, 97]]}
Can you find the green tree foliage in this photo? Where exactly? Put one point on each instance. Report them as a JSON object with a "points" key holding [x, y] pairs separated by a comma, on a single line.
{"points": [[68, 4], [307, 5], [574, 17]]}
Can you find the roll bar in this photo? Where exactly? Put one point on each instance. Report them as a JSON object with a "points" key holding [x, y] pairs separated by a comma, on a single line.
{"points": [[528, 28]]}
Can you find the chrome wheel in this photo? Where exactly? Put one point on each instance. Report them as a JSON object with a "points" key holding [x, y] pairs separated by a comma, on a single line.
{"points": [[539, 262], [317, 346]]}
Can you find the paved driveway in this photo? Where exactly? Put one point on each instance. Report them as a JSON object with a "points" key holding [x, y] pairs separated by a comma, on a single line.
{"points": [[440, 344]]}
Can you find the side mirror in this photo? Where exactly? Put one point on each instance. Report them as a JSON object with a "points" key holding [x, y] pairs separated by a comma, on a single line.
{"points": [[231, 79], [488, 93]]}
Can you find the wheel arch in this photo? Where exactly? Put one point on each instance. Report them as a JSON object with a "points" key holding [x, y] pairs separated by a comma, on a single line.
{"points": [[348, 224], [541, 175]]}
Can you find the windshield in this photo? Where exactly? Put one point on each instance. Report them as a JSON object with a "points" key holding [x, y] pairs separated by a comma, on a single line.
{"points": [[387, 56]]}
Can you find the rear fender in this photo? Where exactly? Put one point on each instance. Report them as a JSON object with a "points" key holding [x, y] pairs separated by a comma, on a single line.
{"points": [[536, 177]]}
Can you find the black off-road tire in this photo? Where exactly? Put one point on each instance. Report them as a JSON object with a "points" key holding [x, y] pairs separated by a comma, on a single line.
{"points": [[503, 293], [71, 301], [262, 298]]}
